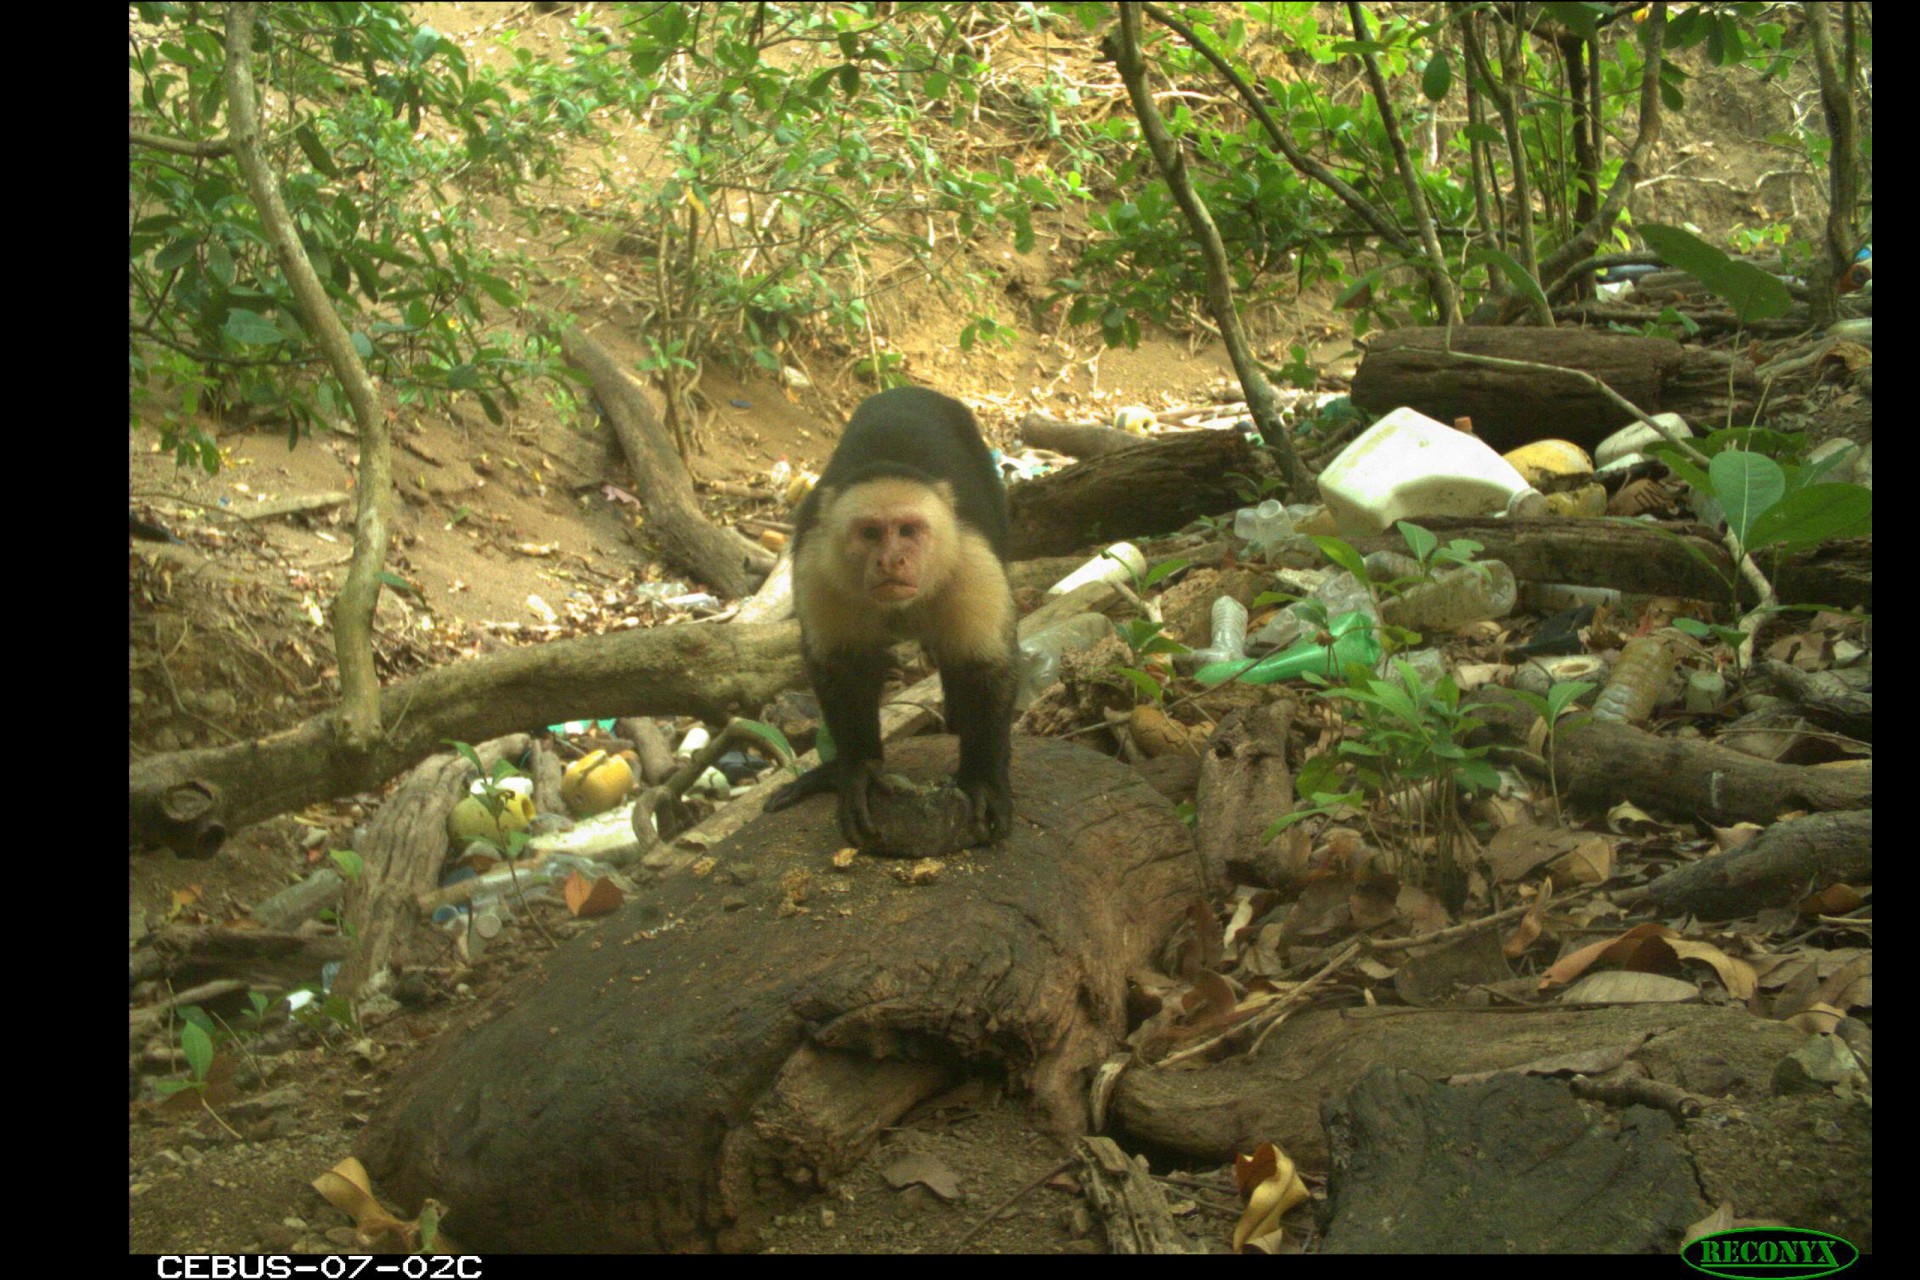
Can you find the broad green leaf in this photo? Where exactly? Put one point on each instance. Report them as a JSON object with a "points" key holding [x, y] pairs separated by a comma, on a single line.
{"points": [[1745, 484], [1342, 554], [1811, 516]]}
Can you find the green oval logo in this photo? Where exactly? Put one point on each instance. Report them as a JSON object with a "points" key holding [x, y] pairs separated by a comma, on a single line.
{"points": [[1767, 1253]]}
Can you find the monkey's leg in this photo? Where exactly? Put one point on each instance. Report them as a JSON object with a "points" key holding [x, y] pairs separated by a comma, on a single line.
{"points": [[980, 709]]}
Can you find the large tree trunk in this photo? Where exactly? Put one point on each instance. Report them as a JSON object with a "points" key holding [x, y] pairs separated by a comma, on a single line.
{"points": [[697, 1063], [1511, 407]]}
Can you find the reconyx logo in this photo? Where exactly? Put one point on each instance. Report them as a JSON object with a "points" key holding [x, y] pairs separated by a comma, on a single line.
{"points": [[1770, 1252]]}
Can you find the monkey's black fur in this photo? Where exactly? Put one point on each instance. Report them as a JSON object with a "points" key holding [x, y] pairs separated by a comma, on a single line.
{"points": [[965, 620]]}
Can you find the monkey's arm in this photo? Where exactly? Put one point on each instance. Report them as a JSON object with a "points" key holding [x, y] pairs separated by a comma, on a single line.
{"points": [[848, 683], [979, 697]]}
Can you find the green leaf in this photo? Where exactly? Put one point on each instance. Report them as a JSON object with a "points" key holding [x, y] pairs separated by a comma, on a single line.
{"points": [[1149, 687], [1438, 77], [1165, 569], [1419, 541], [1510, 267], [1681, 465], [1562, 695], [1745, 484], [771, 736], [197, 1045], [1342, 554], [252, 329], [1810, 516], [350, 864], [1752, 293]]}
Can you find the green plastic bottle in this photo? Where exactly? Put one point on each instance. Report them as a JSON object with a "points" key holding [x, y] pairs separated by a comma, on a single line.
{"points": [[1353, 641]]}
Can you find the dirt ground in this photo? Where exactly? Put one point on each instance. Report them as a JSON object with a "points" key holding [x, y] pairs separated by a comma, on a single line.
{"points": [[517, 533]]}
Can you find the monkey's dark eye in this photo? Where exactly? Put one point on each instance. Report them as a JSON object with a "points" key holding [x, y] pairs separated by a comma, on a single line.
{"points": [[871, 533]]}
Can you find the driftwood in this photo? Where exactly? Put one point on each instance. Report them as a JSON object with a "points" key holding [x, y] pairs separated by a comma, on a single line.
{"points": [[1075, 439], [1776, 868], [1245, 786], [687, 539], [260, 960], [1155, 488], [405, 846], [1602, 762], [701, 1060], [1128, 1202], [1645, 560], [690, 669], [1511, 407]]}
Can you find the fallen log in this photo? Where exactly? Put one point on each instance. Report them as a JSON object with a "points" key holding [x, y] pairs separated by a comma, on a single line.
{"points": [[1081, 440], [687, 539], [710, 1055], [1156, 487], [1511, 407], [1777, 868], [689, 669], [1603, 762], [1644, 559]]}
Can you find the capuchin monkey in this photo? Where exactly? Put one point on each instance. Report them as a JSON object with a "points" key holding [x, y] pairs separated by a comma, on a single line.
{"points": [[905, 537]]}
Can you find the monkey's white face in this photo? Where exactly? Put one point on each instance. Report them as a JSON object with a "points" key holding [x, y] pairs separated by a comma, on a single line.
{"points": [[891, 548]]}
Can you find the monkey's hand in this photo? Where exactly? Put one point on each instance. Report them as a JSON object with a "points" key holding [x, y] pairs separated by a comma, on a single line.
{"points": [[992, 804], [858, 779]]}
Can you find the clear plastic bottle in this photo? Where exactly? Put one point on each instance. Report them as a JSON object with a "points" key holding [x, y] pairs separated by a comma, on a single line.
{"points": [[1454, 597], [1263, 528], [1637, 679], [1043, 651], [1229, 640]]}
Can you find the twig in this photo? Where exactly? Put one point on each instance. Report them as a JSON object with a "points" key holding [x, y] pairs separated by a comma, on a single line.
{"points": [[966, 1237]]}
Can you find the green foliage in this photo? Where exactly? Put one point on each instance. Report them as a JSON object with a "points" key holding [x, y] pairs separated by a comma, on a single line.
{"points": [[374, 118], [1752, 293], [806, 152], [1560, 697]]}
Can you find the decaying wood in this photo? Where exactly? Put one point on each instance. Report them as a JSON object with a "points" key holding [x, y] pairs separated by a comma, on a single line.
{"points": [[297, 505], [687, 539], [405, 846], [655, 752], [1231, 1106], [1776, 868], [1245, 786], [1511, 407], [262, 960], [1542, 1176], [1602, 763], [773, 602], [678, 1075], [1645, 560], [687, 669], [1155, 488], [1128, 1202], [1075, 439]]}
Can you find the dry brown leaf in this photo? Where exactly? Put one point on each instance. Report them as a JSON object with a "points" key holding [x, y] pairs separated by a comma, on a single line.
{"points": [[589, 898], [1737, 976], [1642, 948]]}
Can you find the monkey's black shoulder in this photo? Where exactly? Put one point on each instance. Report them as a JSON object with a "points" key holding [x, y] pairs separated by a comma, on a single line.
{"points": [[922, 435]]}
